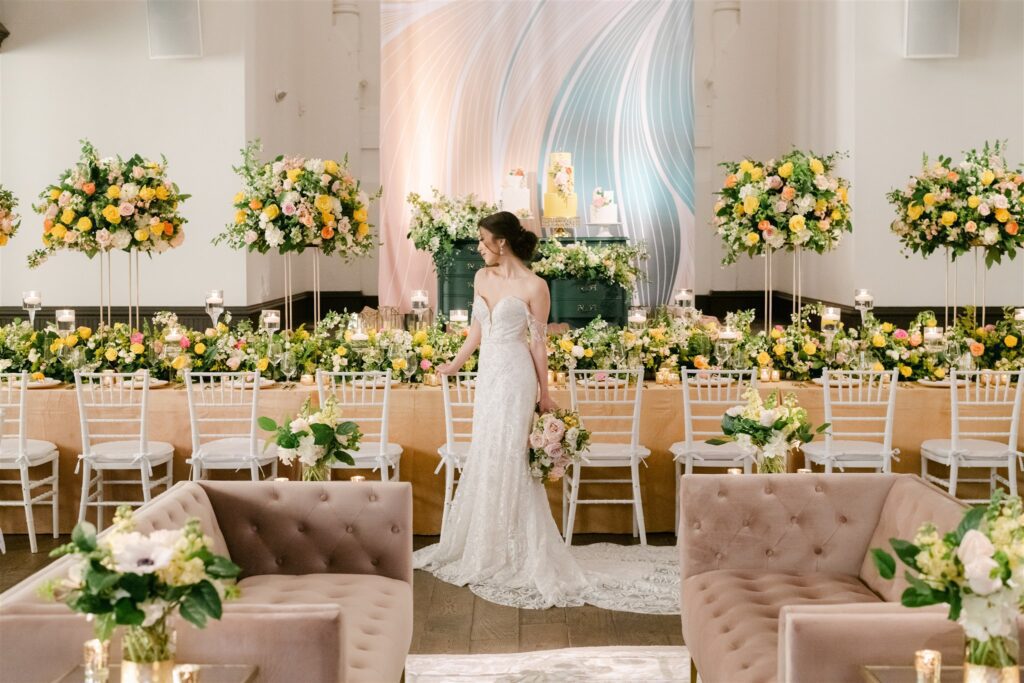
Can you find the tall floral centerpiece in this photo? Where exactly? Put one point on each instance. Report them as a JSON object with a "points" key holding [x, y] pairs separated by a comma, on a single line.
{"points": [[317, 438], [795, 203], [767, 430], [9, 220], [295, 203], [439, 222], [139, 581], [978, 570]]}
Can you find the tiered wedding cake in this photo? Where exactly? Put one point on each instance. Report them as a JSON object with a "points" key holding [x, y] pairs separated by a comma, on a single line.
{"points": [[559, 195], [603, 209], [515, 196]]}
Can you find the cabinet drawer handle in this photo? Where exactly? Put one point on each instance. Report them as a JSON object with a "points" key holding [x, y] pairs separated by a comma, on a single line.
{"points": [[586, 308]]}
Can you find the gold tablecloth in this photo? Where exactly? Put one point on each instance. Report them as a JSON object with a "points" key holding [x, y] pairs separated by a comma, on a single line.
{"points": [[416, 422]]}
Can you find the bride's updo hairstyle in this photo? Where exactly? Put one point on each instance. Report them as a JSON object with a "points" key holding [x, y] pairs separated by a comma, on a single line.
{"points": [[505, 226]]}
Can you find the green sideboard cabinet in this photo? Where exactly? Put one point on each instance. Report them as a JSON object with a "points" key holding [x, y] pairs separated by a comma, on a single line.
{"points": [[572, 301]]}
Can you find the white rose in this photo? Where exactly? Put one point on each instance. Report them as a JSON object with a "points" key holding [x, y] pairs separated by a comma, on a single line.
{"points": [[974, 545], [768, 418], [577, 351], [298, 425], [979, 575], [735, 411], [129, 191], [990, 235], [308, 451], [1000, 202]]}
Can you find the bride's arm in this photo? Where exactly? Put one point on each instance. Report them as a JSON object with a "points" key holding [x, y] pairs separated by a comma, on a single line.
{"points": [[465, 351], [540, 306]]}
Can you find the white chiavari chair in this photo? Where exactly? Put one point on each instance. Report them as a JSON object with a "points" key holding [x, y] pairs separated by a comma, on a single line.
{"points": [[985, 414], [860, 406], [20, 453], [364, 398], [707, 394], [114, 417], [223, 408], [608, 402], [459, 394]]}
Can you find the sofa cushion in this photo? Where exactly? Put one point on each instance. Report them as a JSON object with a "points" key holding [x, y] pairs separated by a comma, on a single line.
{"points": [[910, 503], [731, 617], [376, 616]]}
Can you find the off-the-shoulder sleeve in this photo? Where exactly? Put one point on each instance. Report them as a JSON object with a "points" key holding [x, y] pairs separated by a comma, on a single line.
{"points": [[538, 330]]}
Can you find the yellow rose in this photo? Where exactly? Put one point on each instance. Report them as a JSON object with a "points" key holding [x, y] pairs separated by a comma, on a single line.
{"points": [[878, 341], [136, 348], [810, 348], [786, 169], [939, 373], [628, 337], [837, 215], [877, 367], [240, 216], [327, 217], [262, 364], [67, 216], [399, 364], [779, 349], [162, 193], [84, 224], [239, 198], [56, 345], [948, 218], [844, 195], [932, 322], [360, 215], [819, 206], [293, 174], [348, 335], [1002, 215], [222, 328], [331, 167], [750, 203], [59, 231], [141, 235], [55, 194], [756, 173], [914, 211], [147, 193], [763, 358], [929, 198], [340, 351], [737, 210], [84, 332], [588, 353], [37, 376], [973, 201], [322, 203], [987, 177], [363, 230], [427, 351], [70, 341], [887, 328], [566, 345], [746, 166], [179, 362], [752, 238], [200, 348], [797, 223], [776, 333], [816, 166], [111, 355], [114, 192], [906, 371], [272, 212], [112, 215], [1010, 341]]}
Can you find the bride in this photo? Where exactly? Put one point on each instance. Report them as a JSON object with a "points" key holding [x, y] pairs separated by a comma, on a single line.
{"points": [[500, 537]]}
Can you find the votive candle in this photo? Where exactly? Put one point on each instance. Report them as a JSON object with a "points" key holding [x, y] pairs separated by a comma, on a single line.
{"points": [[357, 477], [928, 665], [776, 377], [735, 470]]}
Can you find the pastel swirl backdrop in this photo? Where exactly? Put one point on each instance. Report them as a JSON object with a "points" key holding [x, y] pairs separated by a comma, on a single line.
{"points": [[471, 89]]}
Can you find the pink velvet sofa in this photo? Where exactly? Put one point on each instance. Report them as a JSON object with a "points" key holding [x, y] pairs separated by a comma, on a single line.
{"points": [[326, 585], [778, 583]]}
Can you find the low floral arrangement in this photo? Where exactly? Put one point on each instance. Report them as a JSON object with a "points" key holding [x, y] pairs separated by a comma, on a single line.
{"points": [[767, 430], [613, 264], [106, 204], [558, 441], [317, 438], [9, 220], [139, 581], [294, 203], [974, 204], [977, 569], [438, 223], [795, 202]]}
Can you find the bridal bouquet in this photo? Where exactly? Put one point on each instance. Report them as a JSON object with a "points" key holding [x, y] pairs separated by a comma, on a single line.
{"points": [[317, 439], [294, 203], [768, 429], [978, 570], [437, 224], [9, 221], [127, 578], [108, 203], [976, 203], [558, 440], [795, 202]]}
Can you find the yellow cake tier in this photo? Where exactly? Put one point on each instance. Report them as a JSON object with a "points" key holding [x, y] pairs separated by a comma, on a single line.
{"points": [[557, 207]]}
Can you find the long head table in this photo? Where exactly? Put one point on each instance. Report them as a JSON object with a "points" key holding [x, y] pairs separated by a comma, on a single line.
{"points": [[416, 422]]}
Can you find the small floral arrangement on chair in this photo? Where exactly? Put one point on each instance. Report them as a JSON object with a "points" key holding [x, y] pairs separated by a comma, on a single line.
{"points": [[138, 580], [558, 440], [317, 439], [978, 570], [767, 429]]}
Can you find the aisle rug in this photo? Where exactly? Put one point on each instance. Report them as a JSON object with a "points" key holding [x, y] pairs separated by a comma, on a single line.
{"points": [[647, 664]]}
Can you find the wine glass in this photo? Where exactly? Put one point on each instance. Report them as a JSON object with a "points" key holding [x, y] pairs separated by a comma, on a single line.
{"points": [[215, 305], [411, 366], [289, 366], [31, 301]]}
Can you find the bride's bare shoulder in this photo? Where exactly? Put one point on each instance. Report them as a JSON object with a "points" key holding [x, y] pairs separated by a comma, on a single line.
{"points": [[536, 286]]}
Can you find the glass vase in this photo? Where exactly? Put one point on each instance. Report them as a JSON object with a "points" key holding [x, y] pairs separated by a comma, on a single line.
{"points": [[317, 472], [147, 654], [991, 661], [771, 465]]}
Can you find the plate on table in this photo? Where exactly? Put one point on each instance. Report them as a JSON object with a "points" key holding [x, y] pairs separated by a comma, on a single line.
{"points": [[846, 382], [940, 383], [264, 383], [709, 381], [154, 383], [374, 384], [45, 383], [599, 383]]}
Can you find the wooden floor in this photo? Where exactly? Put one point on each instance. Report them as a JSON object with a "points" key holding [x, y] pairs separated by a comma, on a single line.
{"points": [[451, 620]]}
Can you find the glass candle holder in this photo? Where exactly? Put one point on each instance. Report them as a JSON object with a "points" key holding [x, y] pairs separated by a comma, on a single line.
{"points": [[928, 665], [684, 298], [637, 316], [65, 321], [830, 320], [458, 316], [96, 659], [186, 673], [270, 320], [215, 305], [419, 300], [31, 301], [863, 300], [934, 341]]}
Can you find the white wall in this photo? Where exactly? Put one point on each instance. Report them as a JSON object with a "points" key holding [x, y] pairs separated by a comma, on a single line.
{"points": [[74, 70]]}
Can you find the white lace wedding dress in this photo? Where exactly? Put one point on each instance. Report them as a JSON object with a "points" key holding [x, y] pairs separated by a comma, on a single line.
{"points": [[500, 537]]}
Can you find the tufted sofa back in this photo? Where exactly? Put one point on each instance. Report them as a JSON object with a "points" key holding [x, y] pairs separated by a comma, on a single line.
{"points": [[910, 503], [316, 527], [779, 522]]}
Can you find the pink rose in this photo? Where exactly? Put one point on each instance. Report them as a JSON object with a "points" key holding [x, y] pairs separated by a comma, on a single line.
{"points": [[537, 440], [138, 172], [555, 451], [136, 338], [185, 343], [600, 376], [774, 182], [553, 429], [288, 209], [103, 238], [126, 209], [557, 472], [251, 236], [177, 240], [240, 343], [915, 339], [426, 364], [900, 334], [234, 362]]}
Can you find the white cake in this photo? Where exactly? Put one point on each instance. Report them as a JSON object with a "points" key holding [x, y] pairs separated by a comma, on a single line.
{"points": [[603, 209], [515, 196]]}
